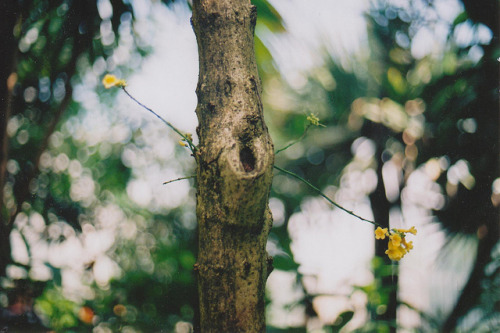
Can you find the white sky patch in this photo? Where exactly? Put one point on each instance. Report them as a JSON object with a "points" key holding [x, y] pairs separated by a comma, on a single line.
{"points": [[319, 236], [277, 315], [167, 80], [140, 192], [334, 250], [104, 270], [21, 254], [314, 27]]}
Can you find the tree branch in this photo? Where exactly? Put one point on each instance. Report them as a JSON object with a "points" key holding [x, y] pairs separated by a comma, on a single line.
{"points": [[177, 179]]}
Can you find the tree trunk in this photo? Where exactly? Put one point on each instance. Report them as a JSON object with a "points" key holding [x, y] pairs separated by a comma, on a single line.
{"points": [[381, 209], [235, 159]]}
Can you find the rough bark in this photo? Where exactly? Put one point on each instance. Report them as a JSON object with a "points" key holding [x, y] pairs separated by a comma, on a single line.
{"points": [[235, 158]]}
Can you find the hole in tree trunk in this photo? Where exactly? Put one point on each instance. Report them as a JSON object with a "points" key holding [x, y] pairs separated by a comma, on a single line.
{"points": [[247, 159]]}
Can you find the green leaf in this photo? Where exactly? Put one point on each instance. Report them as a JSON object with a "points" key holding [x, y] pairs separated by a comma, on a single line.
{"points": [[462, 17], [264, 58], [341, 321], [284, 263], [269, 16], [56, 275]]}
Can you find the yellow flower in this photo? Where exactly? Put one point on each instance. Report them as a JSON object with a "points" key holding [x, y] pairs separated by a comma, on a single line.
{"points": [[396, 253], [110, 81], [185, 142], [412, 230], [395, 239], [313, 119], [407, 245], [381, 233], [397, 247]]}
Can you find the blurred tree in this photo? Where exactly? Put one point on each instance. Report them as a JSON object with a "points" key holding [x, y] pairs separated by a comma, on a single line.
{"points": [[478, 103], [8, 50], [43, 42], [416, 109], [235, 159]]}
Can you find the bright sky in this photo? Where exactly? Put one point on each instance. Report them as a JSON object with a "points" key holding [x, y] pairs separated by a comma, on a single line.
{"points": [[314, 27]]}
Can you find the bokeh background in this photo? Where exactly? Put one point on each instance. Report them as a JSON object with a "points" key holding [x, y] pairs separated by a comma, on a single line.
{"points": [[407, 95]]}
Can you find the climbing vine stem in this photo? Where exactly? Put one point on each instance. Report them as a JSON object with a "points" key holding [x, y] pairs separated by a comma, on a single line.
{"points": [[185, 137], [177, 179], [317, 190]]}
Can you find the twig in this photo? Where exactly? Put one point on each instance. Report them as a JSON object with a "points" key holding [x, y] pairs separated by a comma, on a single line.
{"points": [[192, 147], [313, 121], [317, 190], [177, 179], [294, 142]]}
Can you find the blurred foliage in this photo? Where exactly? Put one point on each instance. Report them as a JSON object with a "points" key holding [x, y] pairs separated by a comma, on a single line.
{"points": [[61, 312], [268, 21], [434, 112], [55, 40]]}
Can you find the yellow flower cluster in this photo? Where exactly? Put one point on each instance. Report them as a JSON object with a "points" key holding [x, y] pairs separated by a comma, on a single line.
{"points": [[398, 246], [110, 81], [184, 142], [314, 120]]}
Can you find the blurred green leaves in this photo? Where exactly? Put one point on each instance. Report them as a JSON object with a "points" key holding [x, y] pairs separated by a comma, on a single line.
{"points": [[268, 16]]}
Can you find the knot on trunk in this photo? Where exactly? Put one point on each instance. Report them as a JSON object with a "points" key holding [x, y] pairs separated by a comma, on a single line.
{"points": [[246, 174]]}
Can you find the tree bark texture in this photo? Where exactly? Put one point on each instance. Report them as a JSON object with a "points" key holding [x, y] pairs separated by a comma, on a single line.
{"points": [[235, 159]]}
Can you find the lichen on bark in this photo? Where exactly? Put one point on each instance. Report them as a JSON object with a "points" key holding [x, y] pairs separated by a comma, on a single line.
{"points": [[234, 174]]}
